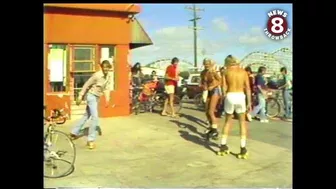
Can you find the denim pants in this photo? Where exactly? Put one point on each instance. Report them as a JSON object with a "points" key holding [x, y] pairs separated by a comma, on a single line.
{"points": [[287, 103], [91, 111], [261, 107]]}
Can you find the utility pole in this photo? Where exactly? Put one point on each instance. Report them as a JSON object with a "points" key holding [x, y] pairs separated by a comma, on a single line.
{"points": [[194, 20]]}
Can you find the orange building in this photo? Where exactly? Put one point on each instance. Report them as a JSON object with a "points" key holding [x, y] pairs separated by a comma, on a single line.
{"points": [[77, 37]]}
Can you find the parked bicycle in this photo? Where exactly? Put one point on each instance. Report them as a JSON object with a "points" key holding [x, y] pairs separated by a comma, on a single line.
{"points": [[139, 104], [198, 100], [160, 98], [275, 104], [59, 151]]}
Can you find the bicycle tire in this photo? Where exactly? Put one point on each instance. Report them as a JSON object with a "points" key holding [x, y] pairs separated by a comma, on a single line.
{"points": [[72, 160], [179, 103], [160, 98], [198, 100], [277, 107]]}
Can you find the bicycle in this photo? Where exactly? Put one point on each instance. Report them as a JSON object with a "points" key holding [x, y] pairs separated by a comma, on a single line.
{"points": [[275, 103], [140, 106], [54, 157], [198, 100], [160, 98]]}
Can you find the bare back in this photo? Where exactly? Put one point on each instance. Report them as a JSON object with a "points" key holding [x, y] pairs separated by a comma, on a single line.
{"points": [[236, 79]]}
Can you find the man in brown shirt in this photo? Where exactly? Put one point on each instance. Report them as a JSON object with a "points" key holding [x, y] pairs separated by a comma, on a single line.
{"points": [[237, 90], [93, 89]]}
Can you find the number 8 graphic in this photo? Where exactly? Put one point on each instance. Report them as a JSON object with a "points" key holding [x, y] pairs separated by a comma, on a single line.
{"points": [[277, 27]]}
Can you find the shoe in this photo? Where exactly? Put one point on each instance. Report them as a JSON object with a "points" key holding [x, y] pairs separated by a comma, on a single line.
{"points": [[73, 136], [91, 145], [98, 129], [249, 117], [264, 121]]}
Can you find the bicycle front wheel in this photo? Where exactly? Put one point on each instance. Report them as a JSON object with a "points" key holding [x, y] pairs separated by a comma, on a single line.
{"points": [[159, 100], [59, 155], [273, 107], [198, 101]]}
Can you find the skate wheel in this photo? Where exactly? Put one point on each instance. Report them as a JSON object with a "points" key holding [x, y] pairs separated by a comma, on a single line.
{"points": [[227, 152], [219, 153]]}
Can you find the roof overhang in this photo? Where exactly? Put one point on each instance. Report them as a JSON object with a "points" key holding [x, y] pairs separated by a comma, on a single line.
{"points": [[139, 36], [127, 8]]}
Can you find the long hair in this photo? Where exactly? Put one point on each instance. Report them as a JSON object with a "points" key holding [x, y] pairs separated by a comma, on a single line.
{"points": [[135, 69]]}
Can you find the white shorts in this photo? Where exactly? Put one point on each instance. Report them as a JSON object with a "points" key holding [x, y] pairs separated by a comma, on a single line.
{"points": [[235, 102], [170, 89]]}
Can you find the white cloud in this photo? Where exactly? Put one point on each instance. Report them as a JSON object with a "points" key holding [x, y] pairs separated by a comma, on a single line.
{"points": [[256, 30], [255, 37], [178, 41], [173, 41], [220, 24], [249, 39]]}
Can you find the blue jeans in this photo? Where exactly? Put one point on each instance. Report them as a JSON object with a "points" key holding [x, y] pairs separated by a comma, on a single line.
{"points": [[287, 102], [91, 111], [261, 107]]}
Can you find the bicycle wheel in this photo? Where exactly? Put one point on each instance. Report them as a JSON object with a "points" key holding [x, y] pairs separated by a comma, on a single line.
{"points": [[198, 100], [159, 100], [273, 107], [178, 104], [59, 155]]}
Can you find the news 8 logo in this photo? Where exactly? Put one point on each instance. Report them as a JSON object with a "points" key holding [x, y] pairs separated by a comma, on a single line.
{"points": [[277, 25]]}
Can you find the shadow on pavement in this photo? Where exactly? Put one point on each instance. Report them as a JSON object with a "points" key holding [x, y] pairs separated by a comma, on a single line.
{"points": [[197, 140], [194, 108], [194, 119]]}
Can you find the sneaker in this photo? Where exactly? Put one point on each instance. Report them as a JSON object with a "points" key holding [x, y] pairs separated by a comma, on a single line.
{"points": [[264, 121], [73, 136], [91, 145], [249, 117]]}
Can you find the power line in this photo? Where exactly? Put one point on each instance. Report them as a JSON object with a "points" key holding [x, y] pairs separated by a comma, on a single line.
{"points": [[195, 28]]}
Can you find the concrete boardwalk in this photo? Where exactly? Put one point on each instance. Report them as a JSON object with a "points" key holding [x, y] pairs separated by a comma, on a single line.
{"points": [[149, 150]]}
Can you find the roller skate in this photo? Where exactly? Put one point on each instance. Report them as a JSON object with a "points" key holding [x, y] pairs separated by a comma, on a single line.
{"points": [[211, 133], [223, 150], [243, 153]]}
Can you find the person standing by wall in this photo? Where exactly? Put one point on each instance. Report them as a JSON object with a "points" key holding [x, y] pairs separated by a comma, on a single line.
{"points": [[93, 89], [137, 74]]}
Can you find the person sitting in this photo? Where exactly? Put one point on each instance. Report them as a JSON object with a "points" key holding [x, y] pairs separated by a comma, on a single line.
{"points": [[148, 90]]}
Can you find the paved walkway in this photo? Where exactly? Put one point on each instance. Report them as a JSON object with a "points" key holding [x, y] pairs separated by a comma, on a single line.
{"points": [[149, 150]]}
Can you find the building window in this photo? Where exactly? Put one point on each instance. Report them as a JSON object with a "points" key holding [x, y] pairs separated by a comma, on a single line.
{"points": [[107, 52], [83, 59], [57, 66], [79, 81]]}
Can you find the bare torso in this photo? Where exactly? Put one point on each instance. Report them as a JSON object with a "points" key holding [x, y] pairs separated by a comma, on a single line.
{"points": [[236, 79], [210, 79]]}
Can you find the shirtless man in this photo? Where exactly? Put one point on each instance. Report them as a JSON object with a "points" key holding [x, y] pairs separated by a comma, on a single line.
{"points": [[212, 82], [237, 90]]}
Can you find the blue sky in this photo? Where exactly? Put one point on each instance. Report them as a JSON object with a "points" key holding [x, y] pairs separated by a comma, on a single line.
{"points": [[235, 29]]}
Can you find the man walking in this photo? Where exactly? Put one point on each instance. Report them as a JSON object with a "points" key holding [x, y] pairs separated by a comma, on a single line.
{"points": [[171, 78], [96, 86]]}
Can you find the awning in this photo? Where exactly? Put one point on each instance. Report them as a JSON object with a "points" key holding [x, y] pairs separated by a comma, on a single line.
{"points": [[139, 36]]}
